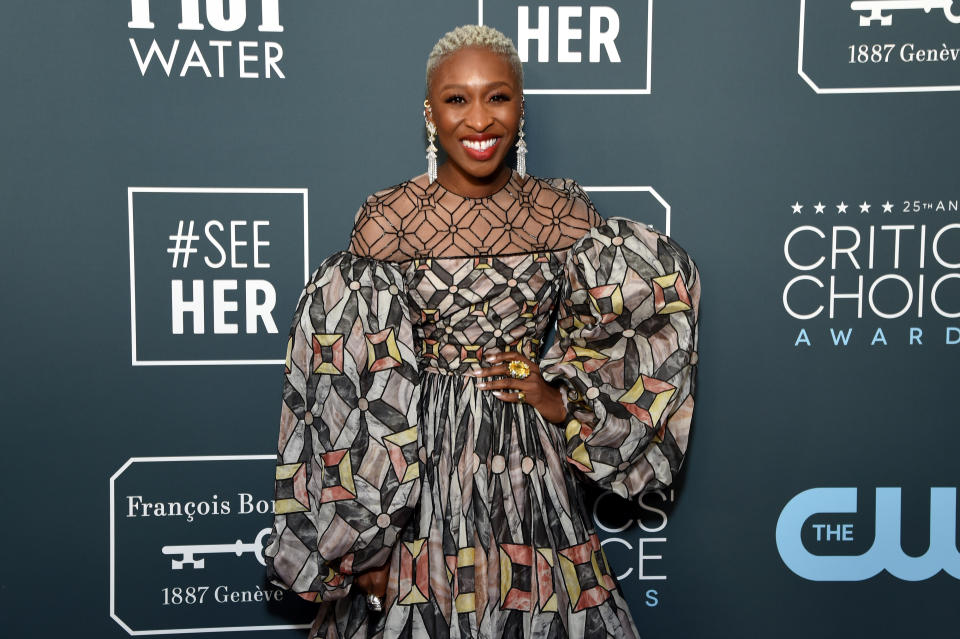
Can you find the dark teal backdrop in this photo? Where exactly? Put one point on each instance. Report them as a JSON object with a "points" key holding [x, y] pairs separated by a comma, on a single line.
{"points": [[160, 211]]}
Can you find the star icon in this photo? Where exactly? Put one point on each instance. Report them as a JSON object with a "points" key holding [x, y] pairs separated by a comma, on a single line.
{"points": [[887, 207], [841, 208], [796, 207], [864, 208], [819, 207]]}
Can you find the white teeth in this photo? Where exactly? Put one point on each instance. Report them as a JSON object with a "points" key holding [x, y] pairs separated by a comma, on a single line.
{"points": [[479, 146]]}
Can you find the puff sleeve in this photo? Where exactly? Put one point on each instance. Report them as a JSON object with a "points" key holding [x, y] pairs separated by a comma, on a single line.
{"points": [[347, 473], [626, 355]]}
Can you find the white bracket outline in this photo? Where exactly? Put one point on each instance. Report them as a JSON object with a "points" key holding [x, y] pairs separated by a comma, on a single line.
{"points": [[644, 91], [113, 588], [131, 190], [823, 91], [635, 189]]}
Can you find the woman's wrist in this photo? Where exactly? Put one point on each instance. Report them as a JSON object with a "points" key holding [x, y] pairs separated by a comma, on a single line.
{"points": [[555, 409]]}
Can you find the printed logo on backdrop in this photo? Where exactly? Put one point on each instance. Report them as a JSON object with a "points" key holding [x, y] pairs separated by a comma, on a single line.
{"points": [[187, 536], [879, 46], [206, 38], [571, 48], [214, 272], [823, 535], [874, 273], [634, 539]]}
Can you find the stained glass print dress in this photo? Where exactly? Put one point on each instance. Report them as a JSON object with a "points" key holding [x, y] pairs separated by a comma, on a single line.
{"points": [[388, 454]]}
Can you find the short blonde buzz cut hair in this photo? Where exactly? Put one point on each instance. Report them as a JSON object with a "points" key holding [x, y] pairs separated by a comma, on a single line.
{"points": [[474, 35]]}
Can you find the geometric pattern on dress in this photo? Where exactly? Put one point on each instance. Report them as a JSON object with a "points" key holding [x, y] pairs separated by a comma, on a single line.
{"points": [[670, 294], [382, 350], [337, 476], [462, 570], [344, 414], [419, 220], [327, 354], [291, 489], [647, 399], [388, 454], [414, 576], [586, 574], [633, 295], [467, 312], [516, 577], [402, 449]]}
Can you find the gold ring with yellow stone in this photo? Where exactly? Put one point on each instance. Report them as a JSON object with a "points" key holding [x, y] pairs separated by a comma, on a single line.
{"points": [[518, 369]]}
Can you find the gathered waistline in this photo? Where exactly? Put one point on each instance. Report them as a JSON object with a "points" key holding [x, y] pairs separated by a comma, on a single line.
{"points": [[437, 371]]}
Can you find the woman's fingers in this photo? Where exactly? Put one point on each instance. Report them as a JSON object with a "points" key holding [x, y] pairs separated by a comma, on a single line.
{"points": [[503, 356], [509, 390], [533, 390], [506, 388], [508, 356], [491, 371], [513, 398], [506, 383], [499, 365]]}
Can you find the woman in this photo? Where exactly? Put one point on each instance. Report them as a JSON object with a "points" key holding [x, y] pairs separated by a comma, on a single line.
{"points": [[425, 455]]}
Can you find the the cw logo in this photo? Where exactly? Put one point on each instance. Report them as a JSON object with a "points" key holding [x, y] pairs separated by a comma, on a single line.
{"points": [[886, 552], [216, 17]]}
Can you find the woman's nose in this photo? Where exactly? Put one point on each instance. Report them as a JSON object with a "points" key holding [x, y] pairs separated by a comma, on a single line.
{"points": [[479, 116]]}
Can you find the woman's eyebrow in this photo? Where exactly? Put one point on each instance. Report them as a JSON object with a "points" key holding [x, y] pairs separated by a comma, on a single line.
{"points": [[464, 86]]}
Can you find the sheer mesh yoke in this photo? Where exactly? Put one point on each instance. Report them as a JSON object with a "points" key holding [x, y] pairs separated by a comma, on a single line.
{"points": [[415, 219]]}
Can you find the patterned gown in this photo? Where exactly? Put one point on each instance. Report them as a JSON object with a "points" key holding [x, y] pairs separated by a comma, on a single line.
{"points": [[389, 454]]}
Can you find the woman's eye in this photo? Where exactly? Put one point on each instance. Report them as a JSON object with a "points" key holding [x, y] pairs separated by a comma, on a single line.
{"points": [[501, 97], [455, 99]]}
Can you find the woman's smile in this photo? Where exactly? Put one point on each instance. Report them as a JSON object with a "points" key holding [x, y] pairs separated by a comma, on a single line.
{"points": [[480, 147]]}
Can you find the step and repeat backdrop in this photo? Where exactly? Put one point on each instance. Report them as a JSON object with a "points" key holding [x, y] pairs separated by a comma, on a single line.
{"points": [[174, 169]]}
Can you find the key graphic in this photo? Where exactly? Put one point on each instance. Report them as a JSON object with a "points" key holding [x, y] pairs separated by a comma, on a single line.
{"points": [[878, 7], [190, 553]]}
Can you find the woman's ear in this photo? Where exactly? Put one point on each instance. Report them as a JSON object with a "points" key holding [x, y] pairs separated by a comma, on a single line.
{"points": [[428, 114]]}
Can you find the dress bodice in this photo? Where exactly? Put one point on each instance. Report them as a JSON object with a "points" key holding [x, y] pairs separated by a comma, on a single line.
{"points": [[483, 274], [465, 307]]}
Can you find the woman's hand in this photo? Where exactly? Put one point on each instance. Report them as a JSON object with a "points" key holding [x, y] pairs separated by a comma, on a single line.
{"points": [[547, 400], [373, 581]]}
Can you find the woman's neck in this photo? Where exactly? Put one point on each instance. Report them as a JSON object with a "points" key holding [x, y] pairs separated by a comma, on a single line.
{"points": [[456, 181]]}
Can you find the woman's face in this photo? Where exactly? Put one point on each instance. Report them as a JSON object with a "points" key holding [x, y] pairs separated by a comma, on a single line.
{"points": [[475, 100]]}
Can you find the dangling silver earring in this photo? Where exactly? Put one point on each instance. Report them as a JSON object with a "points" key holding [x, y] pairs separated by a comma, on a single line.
{"points": [[521, 148], [431, 148]]}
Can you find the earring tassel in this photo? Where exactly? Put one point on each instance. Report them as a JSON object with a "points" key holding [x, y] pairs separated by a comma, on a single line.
{"points": [[432, 162], [521, 152]]}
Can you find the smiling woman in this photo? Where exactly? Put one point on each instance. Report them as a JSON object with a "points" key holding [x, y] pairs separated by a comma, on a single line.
{"points": [[432, 451], [475, 102]]}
